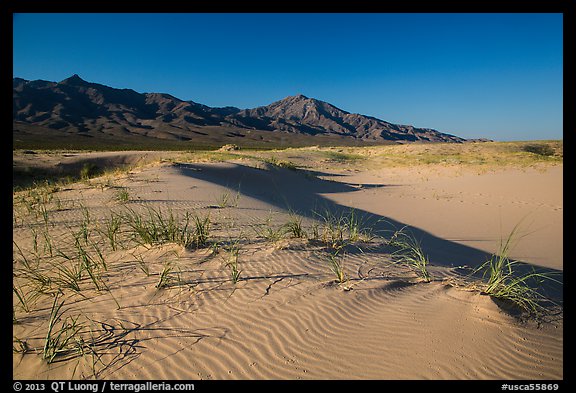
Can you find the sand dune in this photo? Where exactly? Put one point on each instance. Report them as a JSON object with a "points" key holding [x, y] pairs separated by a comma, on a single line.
{"points": [[286, 318], [477, 210]]}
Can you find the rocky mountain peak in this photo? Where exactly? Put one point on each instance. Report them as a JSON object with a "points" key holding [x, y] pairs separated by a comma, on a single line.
{"points": [[74, 80], [84, 106]]}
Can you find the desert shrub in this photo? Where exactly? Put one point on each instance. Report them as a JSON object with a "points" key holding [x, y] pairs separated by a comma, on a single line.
{"points": [[341, 157], [229, 147], [88, 170], [539, 149]]}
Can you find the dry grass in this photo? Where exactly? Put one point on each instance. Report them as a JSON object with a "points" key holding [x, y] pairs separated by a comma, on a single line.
{"points": [[476, 155]]}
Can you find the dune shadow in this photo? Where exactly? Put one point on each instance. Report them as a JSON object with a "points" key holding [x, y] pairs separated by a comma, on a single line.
{"points": [[293, 190]]}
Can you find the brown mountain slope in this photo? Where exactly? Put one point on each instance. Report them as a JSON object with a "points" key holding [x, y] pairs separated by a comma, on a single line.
{"points": [[302, 114], [76, 107]]}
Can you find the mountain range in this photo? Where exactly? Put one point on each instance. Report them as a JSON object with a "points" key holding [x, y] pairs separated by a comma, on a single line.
{"points": [[76, 108]]}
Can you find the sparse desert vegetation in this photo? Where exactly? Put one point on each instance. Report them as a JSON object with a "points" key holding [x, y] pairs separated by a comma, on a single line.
{"points": [[88, 253]]}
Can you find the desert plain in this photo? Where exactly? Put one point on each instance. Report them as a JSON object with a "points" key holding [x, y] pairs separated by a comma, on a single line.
{"points": [[303, 263]]}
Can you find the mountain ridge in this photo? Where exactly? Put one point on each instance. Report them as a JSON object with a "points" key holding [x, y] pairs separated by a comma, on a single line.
{"points": [[74, 105]]}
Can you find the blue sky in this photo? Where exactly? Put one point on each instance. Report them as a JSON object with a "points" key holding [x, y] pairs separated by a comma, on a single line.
{"points": [[495, 76]]}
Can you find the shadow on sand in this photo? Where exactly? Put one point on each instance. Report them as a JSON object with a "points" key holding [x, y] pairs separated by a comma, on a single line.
{"points": [[301, 192]]}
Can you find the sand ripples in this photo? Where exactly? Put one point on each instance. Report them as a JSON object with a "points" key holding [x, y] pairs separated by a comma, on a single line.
{"points": [[292, 326], [286, 318]]}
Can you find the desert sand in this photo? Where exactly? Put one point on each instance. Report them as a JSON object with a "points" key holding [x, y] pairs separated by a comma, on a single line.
{"points": [[286, 317]]}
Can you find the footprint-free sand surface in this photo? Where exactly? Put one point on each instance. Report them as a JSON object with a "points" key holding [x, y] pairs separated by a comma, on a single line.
{"points": [[286, 317]]}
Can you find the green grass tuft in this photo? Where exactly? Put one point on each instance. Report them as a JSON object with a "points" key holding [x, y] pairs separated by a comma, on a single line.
{"points": [[294, 226], [165, 276], [231, 259], [339, 231], [64, 339], [156, 228], [336, 265], [503, 282], [410, 253], [122, 195], [88, 171]]}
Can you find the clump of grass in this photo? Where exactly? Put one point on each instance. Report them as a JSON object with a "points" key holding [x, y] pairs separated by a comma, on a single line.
{"points": [[355, 226], [223, 200], [333, 230], [227, 200], [269, 231], [59, 204], [105, 183], [111, 229], [32, 272], [63, 340], [36, 283], [160, 229], [85, 224], [88, 171], [34, 240], [503, 282], [410, 253], [44, 213], [397, 237], [71, 271], [142, 264], [21, 298], [165, 276], [66, 338], [336, 264], [48, 249], [99, 260], [42, 193], [122, 195], [338, 231], [231, 259], [143, 231], [69, 276], [26, 299], [294, 226], [201, 231]]}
